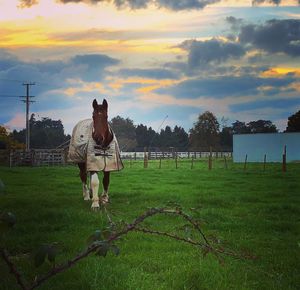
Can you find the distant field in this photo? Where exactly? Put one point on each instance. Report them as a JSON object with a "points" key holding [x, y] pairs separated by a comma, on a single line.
{"points": [[252, 210]]}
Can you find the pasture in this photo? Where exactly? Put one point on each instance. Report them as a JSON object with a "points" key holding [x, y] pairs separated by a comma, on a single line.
{"points": [[251, 210]]}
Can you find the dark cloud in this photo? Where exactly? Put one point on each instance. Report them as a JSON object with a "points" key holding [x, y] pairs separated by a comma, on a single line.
{"points": [[274, 36], [221, 87], [49, 75], [257, 2], [27, 3], [201, 53], [90, 67], [149, 73], [7, 60], [235, 23], [175, 5], [184, 4], [279, 103], [94, 61]]}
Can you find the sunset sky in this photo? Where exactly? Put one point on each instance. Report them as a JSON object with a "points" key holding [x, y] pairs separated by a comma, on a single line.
{"points": [[150, 59]]}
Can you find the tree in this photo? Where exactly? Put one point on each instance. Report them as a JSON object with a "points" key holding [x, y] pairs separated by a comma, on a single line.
{"points": [[44, 133], [166, 138], [7, 141], [145, 137], [293, 123], [125, 131], [226, 138], [181, 138], [3, 137], [239, 128], [205, 132], [261, 126]]}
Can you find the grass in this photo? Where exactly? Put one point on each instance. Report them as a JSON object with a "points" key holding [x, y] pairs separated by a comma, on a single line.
{"points": [[253, 210]]}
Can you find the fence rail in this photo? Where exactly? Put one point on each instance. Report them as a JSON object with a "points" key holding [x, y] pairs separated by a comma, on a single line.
{"points": [[37, 157], [51, 157], [168, 154]]}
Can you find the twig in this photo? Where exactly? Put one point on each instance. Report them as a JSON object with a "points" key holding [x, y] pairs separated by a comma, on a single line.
{"points": [[169, 235], [93, 248], [13, 269], [115, 236], [189, 219]]}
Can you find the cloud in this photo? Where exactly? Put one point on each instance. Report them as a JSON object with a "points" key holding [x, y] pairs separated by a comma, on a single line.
{"points": [[27, 3], [234, 22], [274, 36], [175, 5], [52, 79], [260, 104], [201, 53], [158, 73], [257, 2], [222, 87], [185, 4], [91, 67]]}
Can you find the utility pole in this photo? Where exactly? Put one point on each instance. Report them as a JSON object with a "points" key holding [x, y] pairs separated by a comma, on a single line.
{"points": [[27, 101]]}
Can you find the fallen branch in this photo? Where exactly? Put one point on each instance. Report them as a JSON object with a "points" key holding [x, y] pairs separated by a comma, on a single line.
{"points": [[116, 235], [13, 270]]}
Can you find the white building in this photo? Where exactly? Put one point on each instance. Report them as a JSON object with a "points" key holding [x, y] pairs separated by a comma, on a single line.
{"points": [[271, 144]]}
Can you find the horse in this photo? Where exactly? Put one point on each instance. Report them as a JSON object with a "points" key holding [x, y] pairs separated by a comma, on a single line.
{"points": [[94, 148]]}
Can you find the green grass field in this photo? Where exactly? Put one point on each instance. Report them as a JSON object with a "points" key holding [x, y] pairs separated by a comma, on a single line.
{"points": [[254, 211]]}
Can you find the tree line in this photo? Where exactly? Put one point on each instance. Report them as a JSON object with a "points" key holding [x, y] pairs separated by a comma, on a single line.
{"points": [[206, 132]]}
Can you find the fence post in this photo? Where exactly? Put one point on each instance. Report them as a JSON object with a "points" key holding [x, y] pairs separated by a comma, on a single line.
{"points": [[145, 158], [192, 165], [245, 163], [160, 163], [210, 159], [130, 161], [265, 160], [225, 162], [284, 159], [10, 159], [176, 161]]}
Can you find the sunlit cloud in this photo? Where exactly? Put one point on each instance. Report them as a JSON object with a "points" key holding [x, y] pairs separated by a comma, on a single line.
{"points": [[281, 71], [176, 58]]}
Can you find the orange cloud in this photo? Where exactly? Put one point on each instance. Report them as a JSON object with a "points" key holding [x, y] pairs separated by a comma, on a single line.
{"points": [[17, 122], [280, 71], [149, 84]]}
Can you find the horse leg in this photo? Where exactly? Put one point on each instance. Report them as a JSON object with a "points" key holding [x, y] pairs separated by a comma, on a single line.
{"points": [[95, 188], [105, 182], [83, 177]]}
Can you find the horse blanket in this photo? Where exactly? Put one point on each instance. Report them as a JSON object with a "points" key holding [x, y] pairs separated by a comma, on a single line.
{"points": [[83, 148]]}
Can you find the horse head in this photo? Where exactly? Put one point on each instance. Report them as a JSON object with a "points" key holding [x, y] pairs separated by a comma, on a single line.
{"points": [[101, 132]]}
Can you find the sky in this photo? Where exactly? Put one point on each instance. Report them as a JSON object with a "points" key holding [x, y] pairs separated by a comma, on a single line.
{"points": [[152, 60]]}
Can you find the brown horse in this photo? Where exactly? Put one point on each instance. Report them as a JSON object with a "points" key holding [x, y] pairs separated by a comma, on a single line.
{"points": [[102, 136]]}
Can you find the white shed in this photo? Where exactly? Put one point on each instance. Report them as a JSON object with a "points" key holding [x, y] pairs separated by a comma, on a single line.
{"points": [[271, 144]]}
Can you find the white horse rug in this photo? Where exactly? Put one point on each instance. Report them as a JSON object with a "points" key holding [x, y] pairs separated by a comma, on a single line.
{"points": [[83, 148]]}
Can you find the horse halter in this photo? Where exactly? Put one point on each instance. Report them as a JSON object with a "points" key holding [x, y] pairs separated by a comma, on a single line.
{"points": [[99, 138]]}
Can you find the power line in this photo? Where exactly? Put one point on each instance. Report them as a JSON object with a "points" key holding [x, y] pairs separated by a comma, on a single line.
{"points": [[11, 80], [9, 96], [21, 81]]}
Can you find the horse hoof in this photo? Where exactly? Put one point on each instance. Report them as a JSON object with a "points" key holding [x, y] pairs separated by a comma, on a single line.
{"points": [[104, 199], [95, 205]]}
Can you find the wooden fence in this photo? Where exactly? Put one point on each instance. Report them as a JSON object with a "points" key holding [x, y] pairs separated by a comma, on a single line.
{"points": [[37, 157], [168, 154], [50, 157]]}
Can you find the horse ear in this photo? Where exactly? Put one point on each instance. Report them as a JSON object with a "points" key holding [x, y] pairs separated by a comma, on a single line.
{"points": [[104, 104], [95, 104]]}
